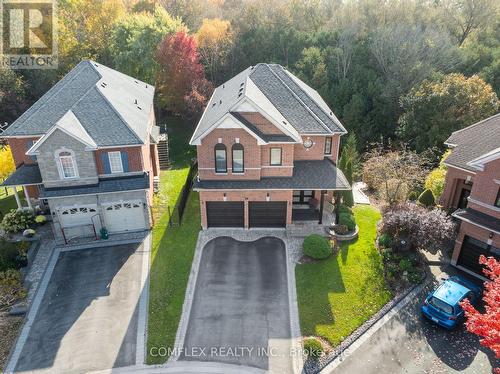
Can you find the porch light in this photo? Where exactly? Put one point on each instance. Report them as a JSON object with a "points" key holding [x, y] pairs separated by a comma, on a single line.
{"points": [[224, 197], [268, 197]]}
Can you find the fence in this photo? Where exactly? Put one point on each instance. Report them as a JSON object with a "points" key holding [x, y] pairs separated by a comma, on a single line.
{"points": [[176, 215]]}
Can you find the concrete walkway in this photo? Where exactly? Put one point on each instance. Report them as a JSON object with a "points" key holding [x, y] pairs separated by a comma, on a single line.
{"points": [[359, 196]]}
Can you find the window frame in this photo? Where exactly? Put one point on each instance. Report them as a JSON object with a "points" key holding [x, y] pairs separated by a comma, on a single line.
{"points": [[220, 147], [238, 147], [114, 154], [497, 200], [61, 167], [271, 156], [329, 140]]}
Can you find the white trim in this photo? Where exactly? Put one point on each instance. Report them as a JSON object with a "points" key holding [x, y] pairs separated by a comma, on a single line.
{"points": [[19, 136], [276, 166], [191, 141], [497, 181], [480, 161], [459, 168], [60, 168], [484, 205], [120, 169], [474, 223], [121, 146], [92, 194], [268, 189]]}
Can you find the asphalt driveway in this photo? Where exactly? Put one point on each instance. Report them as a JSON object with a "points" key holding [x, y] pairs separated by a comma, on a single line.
{"points": [[408, 343], [240, 311], [88, 317]]}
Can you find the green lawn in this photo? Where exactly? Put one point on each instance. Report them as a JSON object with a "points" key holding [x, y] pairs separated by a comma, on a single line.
{"points": [[8, 202], [337, 295], [172, 247]]}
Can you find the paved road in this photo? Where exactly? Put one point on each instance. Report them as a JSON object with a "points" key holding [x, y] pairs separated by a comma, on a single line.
{"points": [[241, 304], [88, 316], [409, 344]]}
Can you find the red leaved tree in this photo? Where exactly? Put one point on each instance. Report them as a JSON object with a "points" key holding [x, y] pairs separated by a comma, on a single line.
{"points": [[179, 69], [487, 325]]}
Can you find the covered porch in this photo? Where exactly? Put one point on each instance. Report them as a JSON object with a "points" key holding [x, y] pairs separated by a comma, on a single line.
{"points": [[313, 206], [28, 178]]}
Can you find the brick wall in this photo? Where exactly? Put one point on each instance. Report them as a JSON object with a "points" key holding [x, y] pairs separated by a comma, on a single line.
{"points": [[485, 189], [134, 158], [475, 232], [262, 123], [451, 191], [206, 155], [286, 168], [317, 151], [18, 147], [245, 196]]}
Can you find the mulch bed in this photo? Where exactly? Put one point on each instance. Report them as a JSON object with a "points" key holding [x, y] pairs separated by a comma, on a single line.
{"points": [[9, 329]]}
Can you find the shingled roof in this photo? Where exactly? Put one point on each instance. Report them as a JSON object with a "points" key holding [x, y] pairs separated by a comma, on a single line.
{"points": [[113, 108], [472, 142], [288, 101]]}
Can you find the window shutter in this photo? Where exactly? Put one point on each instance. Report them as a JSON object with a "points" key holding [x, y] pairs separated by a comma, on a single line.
{"points": [[124, 161], [105, 163]]}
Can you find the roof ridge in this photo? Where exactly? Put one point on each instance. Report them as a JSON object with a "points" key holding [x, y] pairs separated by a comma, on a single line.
{"points": [[292, 76], [116, 112], [55, 89], [298, 98], [474, 124]]}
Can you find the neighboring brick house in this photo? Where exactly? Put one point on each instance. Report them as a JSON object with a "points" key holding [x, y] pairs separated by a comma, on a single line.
{"points": [[472, 191], [267, 148], [87, 150]]}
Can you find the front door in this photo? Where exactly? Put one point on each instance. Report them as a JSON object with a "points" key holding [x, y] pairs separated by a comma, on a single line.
{"points": [[462, 201], [302, 196]]}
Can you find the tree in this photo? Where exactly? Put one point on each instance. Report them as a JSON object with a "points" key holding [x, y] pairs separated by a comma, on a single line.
{"points": [[437, 107], [214, 39], [7, 165], [393, 173], [12, 96], [312, 69], [85, 28], [135, 39], [486, 325], [196, 100], [436, 178], [179, 69]]}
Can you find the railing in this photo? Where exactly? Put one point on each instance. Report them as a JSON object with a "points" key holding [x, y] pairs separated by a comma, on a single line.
{"points": [[178, 211]]}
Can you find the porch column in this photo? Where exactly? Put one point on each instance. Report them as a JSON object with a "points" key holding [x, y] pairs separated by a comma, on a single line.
{"points": [[18, 200], [27, 196], [321, 206]]}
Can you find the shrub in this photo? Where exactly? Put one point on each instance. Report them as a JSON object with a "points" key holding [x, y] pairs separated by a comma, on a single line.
{"points": [[405, 265], [17, 220], [385, 240], [317, 247], [40, 219], [29, 233], [426, 199], [435, 181], [424, 229], [344, 209], [413, 195], [347, 198], [340, 229], [348, 220], [313, 348]]}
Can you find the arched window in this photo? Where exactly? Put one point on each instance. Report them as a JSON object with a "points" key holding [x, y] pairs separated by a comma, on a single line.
{"points": [[220, 158], [238, 158], [67, 165]]}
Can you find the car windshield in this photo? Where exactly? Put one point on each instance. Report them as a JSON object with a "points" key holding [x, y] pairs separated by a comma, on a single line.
{"points": [[441, 305]]}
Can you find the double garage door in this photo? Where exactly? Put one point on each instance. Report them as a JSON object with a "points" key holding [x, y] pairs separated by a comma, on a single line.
{"points": [[118, 217], [471, 250], [260, 213]]}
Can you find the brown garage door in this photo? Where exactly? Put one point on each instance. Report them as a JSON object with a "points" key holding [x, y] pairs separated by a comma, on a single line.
{"points": [[267, 214], [225, 213]]}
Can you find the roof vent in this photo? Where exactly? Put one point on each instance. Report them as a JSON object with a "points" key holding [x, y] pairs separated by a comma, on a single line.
{"points": [[135, 101], [220, 102], [139, 108], [240, 94], [331, 113], [146, 86], [136, 82], [223, 86], [242, 83], [214, 104]]}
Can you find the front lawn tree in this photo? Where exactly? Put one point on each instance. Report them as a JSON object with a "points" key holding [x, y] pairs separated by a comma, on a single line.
{"points": [[437, 107], [486, 325], [392, 174]]}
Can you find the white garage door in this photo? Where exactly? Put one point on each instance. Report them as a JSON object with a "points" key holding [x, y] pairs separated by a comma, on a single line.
{"points": [[124, 216], [78, 220]]}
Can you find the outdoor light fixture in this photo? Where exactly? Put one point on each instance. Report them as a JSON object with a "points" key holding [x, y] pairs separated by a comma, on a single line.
{"points": [[224, 197], [268, 197]]}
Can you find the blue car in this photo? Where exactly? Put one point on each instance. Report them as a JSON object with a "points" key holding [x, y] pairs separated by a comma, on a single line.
{"points": [[442, 305]]}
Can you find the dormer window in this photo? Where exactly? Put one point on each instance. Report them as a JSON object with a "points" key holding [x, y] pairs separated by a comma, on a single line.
{"points": [[67, 165], [115, 162], [220, 158]]}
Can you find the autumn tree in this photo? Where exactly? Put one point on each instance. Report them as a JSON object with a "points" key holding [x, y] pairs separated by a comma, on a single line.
{"points": [[214, 38], [85, 28], [437, 107], [198, 97], [135, 39], [7, 165], [179, 70], [393, 173], [312, 69], [486, 325]]}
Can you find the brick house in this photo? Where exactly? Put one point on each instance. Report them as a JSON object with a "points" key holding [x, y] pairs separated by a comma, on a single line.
{"points": [[87, 150], [267, 148], [472, 192]]}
